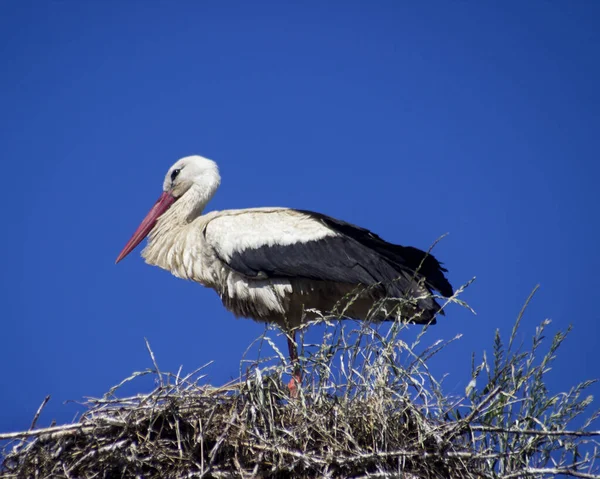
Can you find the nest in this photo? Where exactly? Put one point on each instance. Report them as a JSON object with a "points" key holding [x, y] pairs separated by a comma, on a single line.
{"points": [[248, 429], [368, 407]]}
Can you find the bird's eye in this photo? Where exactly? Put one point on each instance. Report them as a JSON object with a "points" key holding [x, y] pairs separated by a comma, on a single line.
{"points": [[175, 173]]}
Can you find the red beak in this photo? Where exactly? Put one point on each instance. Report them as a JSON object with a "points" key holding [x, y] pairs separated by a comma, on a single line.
{"points": [[163, 204]]}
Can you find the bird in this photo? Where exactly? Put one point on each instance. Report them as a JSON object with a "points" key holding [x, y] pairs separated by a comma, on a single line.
{"points": [[283, 265]]}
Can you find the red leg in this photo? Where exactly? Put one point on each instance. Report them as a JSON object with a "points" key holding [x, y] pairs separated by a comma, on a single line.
{"points": [[296, 375]]}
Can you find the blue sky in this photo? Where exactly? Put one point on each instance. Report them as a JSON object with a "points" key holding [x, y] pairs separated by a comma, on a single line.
{"points": [[410, 119]]}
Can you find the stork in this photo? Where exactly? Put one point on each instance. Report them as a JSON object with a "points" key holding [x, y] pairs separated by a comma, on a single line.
{"points": [[281, 265]]}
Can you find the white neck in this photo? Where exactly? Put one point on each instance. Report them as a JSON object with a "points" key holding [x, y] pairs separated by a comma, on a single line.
{"points": [[166, 241]]}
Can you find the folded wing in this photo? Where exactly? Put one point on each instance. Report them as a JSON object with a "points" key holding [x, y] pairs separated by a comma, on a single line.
{"points": [[287, 243]]}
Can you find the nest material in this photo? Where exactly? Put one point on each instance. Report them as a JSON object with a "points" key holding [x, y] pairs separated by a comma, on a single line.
{"points": [[248, 429], [368, 407]]}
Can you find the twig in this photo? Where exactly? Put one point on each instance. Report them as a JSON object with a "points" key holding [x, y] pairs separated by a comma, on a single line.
{"points": [[531, 471], [53, 431], [160, 378], [536, 432], [39, 411]]}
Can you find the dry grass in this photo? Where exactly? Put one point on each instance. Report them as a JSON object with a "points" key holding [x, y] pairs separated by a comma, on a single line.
{"points": [[368, 408]]}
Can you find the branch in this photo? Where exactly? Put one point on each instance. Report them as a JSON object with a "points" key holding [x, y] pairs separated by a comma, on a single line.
{"points": [[528, 472], [54, 432], [536, 432]]}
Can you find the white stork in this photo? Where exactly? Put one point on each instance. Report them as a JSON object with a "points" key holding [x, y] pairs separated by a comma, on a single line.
{"points": [[271, 264]]}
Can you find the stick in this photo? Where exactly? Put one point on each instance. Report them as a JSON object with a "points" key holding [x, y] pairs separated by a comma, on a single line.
{"points": [[61, 430], [39, 411], [154, 362]]}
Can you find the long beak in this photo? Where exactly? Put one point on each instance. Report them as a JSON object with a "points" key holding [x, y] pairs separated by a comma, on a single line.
{"points": [[163, 204]]}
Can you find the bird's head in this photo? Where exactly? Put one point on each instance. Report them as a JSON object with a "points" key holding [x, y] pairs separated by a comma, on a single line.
{"points": [[187, 172]]}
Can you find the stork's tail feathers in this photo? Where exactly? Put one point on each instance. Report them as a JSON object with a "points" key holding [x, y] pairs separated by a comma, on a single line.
{"points": [[430, 268], [428, 275]]}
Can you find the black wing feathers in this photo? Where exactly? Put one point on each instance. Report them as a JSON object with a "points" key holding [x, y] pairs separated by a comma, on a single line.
{"points": [[335, 258], [406, 257]]}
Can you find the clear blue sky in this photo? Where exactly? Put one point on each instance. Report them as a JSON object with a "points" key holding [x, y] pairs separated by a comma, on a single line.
{"points": [[410, 119]]}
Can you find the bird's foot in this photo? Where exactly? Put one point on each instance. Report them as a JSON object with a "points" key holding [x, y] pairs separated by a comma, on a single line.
{"points": [[294, 384]]}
